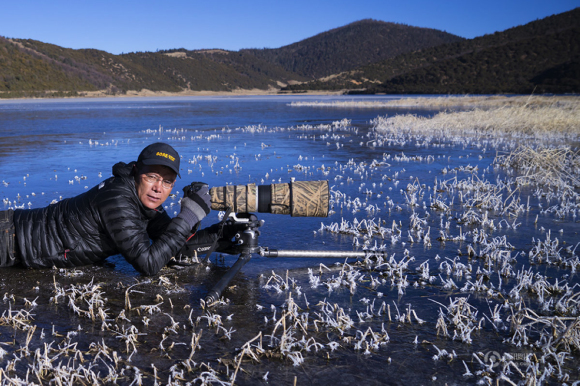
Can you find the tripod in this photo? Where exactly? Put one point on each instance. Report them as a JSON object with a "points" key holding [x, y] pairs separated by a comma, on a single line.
{"points": [[246, 243]]}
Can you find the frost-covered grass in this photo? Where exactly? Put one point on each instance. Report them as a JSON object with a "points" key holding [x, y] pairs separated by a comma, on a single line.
{"points": [[469, 101], [526, 121], [547, 166], [519, 116]]}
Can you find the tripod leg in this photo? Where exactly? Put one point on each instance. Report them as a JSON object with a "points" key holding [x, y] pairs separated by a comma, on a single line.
{"points": [[217, 290]]}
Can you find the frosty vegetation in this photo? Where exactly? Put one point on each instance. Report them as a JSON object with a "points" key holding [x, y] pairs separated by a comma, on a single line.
{"points": [[507, 293]]}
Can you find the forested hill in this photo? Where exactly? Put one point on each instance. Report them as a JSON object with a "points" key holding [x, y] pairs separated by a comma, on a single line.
{"points": [[352, 46], [541, 56], [368, 56], [34, 68]]}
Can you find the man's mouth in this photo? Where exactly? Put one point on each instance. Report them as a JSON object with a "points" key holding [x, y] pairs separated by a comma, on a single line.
{"points": [[152, 198]]}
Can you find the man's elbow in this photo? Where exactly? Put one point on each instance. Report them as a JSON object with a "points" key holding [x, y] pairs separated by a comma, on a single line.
{"points": [[148, 272], [147, 268]]}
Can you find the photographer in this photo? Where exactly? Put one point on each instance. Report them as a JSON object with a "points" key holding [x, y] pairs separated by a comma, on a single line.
{"points": [[121, 215]]}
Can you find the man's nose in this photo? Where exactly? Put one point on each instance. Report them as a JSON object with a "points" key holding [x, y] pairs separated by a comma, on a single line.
{"points": [[157, 186]]}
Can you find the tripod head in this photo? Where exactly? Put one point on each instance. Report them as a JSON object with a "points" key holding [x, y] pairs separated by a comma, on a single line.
{"points": [[246, 237]]}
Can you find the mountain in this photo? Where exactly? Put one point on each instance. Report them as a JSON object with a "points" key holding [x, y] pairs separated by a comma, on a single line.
{"points": [[543, 55], [352, 46], [33, 68], [367, 56]]}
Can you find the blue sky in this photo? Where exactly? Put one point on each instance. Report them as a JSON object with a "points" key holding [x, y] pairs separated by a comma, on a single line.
{"points": [[146, 25]]}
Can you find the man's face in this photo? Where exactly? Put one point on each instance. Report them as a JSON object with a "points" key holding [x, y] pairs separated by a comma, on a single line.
{"points": [[150, 181]]}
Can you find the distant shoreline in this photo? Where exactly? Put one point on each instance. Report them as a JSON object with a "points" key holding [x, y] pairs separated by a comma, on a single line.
{"points": [[148, 93], [399, 100]]}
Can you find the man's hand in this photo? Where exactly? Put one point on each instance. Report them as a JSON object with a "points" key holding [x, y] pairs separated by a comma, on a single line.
{"points": [[195, 204], [194, 187]]}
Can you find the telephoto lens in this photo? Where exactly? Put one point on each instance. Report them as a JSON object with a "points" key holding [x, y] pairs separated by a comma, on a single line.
{"points": [[298, 198]]}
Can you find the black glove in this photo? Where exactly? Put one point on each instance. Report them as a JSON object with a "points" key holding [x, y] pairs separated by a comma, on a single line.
{"points": [[195, 204]]}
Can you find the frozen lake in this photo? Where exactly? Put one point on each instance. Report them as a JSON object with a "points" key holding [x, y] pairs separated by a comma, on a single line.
{"points": [[315, 321]]}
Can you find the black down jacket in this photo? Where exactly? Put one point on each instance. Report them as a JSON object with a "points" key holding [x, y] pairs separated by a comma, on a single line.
{"points": [[107, 220]]}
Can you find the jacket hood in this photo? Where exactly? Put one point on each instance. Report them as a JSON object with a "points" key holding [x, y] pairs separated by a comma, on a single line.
{"points": [[121, 169]]}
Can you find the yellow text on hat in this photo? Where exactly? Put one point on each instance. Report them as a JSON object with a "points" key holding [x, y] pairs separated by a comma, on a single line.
{"points": [[165, 155]]}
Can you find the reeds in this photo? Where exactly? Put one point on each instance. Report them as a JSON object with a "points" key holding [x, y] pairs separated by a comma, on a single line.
{"points": [[547, 122], [466, 101]]}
